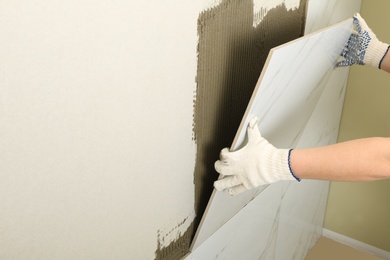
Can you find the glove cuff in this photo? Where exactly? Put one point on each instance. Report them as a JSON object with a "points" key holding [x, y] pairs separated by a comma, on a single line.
{"points": [[384, 55], [289, 166], [279, 165], [375, 54]]}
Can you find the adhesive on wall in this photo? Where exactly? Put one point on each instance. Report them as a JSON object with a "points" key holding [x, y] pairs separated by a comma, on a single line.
{"points": [[231, 54]]}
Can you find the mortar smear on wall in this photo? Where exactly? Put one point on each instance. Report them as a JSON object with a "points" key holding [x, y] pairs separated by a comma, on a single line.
{"points": [[166, 235], [231, 54], [176, 249]]}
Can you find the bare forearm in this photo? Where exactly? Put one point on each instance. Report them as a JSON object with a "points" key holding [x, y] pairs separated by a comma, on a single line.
{"points": [[386, 63], [358, 160]]}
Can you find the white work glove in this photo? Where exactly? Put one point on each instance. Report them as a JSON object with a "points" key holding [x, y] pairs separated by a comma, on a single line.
{"points": [[363, 47], [256, 164]]}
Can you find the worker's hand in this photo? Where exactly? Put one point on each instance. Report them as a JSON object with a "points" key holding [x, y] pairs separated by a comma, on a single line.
{"points": [[363, 47], [258, 163]]}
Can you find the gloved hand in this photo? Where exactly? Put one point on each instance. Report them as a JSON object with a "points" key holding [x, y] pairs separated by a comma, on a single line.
{"points": [[363, 47], [258, 163]]}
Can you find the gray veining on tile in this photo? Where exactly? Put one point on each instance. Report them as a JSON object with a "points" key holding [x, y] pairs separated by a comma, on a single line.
{"points": [[323, 13], [284, 110], [271, 226]]}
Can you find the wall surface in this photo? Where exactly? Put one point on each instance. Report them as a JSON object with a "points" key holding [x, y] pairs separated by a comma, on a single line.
{"points": [[96, 142], [328, 249], [362, 210]]}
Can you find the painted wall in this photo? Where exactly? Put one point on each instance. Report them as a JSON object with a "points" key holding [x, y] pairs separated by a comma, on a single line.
{"points": [[329, 249], [362, 210], [96, 145]]}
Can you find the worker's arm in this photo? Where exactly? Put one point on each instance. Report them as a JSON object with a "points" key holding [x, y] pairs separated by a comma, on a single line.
{"points": [[260, 163], [364, 48], [386, 62], [365, 159]]}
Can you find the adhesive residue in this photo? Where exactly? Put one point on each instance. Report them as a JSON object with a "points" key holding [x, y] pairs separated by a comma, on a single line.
{"points": [[231, 54], [179, 247]]}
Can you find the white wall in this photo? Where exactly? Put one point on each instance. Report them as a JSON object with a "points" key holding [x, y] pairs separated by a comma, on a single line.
{"points": [[96, 150]]}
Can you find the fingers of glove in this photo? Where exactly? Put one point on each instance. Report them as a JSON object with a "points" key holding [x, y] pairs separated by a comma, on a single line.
{"points": [[347, 60], [253, 130], [343, 63], [224, 154], [360, 23], [356, 22], [222, 168], [254, 121], [345, 53], [353, 42], [226, 183], [237, 190], [349, 53], [228, 158]]}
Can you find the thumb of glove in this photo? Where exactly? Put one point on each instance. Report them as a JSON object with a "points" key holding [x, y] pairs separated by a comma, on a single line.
{"points": [[253, 130]]}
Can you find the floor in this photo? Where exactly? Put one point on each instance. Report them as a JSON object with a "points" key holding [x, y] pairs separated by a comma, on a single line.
{"points": [[328, 249]]}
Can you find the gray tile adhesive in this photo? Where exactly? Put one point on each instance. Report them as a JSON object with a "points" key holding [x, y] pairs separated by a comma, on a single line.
{"points": [[231, 55]]}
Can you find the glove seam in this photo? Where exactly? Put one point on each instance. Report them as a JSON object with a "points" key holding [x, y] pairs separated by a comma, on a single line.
{"points": [[289, 166], [380, 62]]}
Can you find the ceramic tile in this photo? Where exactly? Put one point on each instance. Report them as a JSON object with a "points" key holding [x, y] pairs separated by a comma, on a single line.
{"points": [[237, 234], [285, 110], [272, 226], [324, 13]]}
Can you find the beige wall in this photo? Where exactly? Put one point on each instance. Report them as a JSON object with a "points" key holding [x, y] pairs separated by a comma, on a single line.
{"points": [[328, 249], [362, 210], [96, 105]]}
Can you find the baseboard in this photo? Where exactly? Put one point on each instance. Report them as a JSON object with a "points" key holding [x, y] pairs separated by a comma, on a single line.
{"points": [[363, 247]]}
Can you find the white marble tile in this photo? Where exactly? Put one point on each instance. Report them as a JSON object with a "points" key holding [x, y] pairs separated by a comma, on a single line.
{"points": [[237, 234], [285, 110], [291, 86], [322, 13], [301, 218], [323, 126], [280, 224]]}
